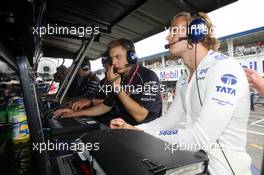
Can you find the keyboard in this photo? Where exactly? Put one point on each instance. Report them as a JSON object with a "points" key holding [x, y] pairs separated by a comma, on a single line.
{"points": [[72, 125]]}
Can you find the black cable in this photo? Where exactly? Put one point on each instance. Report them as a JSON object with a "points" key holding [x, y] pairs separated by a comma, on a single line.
{"points": [[199, 95], [225, 157], [196, 77]]}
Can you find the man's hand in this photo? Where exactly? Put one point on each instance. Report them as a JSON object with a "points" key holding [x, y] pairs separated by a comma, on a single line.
{"points": [[80, 104], [111, 75], [119, 123], [66, 112], [255, 81]]}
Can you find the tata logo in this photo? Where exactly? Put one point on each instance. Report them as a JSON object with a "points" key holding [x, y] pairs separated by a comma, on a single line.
{"points": [[229, 79], [226, 90]]}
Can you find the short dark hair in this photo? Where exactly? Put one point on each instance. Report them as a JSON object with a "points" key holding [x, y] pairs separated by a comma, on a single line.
{"points": [[61, 69], [125, 43]]}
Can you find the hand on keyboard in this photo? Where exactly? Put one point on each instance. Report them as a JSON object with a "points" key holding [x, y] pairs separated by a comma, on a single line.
{"points": [[66, 112]]}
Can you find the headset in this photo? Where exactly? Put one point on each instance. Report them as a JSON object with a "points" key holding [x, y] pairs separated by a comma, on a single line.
{"points": [[131, 55], [105, 58], [197, 30], [86, 66]]}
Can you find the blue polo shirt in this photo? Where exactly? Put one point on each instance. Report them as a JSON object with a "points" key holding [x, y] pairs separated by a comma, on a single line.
{"points": [[143, 86]]}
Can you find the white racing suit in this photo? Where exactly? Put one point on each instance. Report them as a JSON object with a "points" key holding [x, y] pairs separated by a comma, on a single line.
{"points": [[222, 116]]}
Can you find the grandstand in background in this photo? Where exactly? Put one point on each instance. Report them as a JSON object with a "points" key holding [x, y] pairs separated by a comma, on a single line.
{"points": [[247, 47]]}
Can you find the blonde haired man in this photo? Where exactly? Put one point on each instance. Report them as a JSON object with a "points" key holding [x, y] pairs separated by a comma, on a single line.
{"points": [[213, 96]]}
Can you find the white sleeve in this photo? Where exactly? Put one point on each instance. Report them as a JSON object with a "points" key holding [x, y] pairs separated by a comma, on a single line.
{"points": [[168, 121], [226, 85]]}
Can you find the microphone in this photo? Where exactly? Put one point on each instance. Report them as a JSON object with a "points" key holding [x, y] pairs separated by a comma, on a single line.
{"points": [[167, 46], [125, 66]]}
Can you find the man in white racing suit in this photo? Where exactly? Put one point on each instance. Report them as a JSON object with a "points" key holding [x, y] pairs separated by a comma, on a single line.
{"points": [[213, 96]]}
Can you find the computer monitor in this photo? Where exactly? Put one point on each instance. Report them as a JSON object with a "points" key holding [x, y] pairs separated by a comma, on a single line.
{"points": [[73, 70], [33, 114]]}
